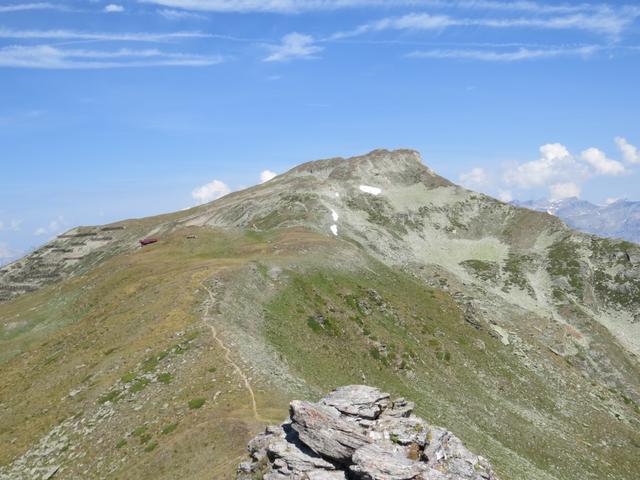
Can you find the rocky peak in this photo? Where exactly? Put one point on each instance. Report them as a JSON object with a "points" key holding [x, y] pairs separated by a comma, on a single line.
{"points": [[357, 432], [402, 167]]}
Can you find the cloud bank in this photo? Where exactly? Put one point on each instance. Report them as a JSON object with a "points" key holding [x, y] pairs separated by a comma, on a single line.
{"points": [[556, 169]]}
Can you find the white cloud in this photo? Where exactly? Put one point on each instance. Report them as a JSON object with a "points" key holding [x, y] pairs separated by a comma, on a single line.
{"points": [[15, 225], [611, 200], [555, 164], [48, 57], [22, 7], [296, 6], [55, 227], [6, 253], [629, 152], [99, 36], [558, 170], [210, 191], [171, 14], [504, 56], [505, 195], [412, 21], [276, 6], [600, 163], [607, 22], [293, 46], [113, 8], [267, 175], [475, 178], [561, 171], [559, 191]]}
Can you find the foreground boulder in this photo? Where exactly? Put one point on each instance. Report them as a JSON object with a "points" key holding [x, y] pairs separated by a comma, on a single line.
{"points": [[358, 433]]}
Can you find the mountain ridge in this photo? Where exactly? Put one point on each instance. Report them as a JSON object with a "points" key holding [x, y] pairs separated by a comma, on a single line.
{"points": [[428, 290]]}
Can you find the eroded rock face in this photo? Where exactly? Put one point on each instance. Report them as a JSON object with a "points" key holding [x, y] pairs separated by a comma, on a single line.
{"points": [[358, 433]]}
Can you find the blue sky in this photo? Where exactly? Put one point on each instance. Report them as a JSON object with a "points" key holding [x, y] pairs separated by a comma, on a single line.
{"points": [[111, 110]]}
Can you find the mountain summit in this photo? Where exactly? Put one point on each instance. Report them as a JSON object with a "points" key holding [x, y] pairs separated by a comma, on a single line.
{"points": [[513, 331]]}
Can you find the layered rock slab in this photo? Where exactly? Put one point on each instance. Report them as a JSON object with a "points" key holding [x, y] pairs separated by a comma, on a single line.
{"points": [[358, 433]]}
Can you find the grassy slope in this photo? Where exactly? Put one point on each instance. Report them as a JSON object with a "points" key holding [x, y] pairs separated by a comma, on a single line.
{"points": [[109, 335], [523, 420], [116, 332]]}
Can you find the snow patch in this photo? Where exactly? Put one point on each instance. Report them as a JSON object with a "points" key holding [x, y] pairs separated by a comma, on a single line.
{"points": [[334, 215], [334, 229], [371, 190]]}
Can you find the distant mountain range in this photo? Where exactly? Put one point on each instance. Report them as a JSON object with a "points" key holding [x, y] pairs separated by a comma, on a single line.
{"points": [[619, 219]]}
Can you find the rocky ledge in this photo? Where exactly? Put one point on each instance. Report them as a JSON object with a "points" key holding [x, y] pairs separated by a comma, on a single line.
{"points": [[358, 433]]}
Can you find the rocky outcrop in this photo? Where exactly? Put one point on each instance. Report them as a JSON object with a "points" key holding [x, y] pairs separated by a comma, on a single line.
{"points": [[358, 433]]}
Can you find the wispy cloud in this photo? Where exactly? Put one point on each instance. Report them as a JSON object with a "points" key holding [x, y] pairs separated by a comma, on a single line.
{"points": [[504, 56], [12, 226], [113, 8], [6, 253], [606, 22], [23, 7], [48, 57], [98, 36], [293, 46], [275, 6], [55, 227], [171, 14], [298, 6]]}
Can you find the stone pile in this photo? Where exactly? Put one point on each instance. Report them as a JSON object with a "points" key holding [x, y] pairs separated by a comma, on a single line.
{"points": [[358, 433]]}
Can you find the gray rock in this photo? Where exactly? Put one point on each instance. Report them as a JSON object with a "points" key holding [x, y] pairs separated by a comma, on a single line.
{"points": [[325, 475], [358, 400], [325, 431], [400, 408], [297, 458], [385, 462], [403, 431], [357, 433]]}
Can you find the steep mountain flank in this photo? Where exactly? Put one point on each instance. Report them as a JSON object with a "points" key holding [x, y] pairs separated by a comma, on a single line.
{"points": [[517, 333]]}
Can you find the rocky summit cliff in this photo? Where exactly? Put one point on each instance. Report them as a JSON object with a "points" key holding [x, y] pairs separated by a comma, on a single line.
{"points": [[357, 432], [519, 334]]}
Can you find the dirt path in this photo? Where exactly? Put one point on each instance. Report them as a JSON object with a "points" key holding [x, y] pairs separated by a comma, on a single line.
{"points": [[227, 352]]}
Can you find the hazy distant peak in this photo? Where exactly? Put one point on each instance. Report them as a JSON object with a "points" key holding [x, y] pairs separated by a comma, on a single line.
{"points": [[618, 219]]}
